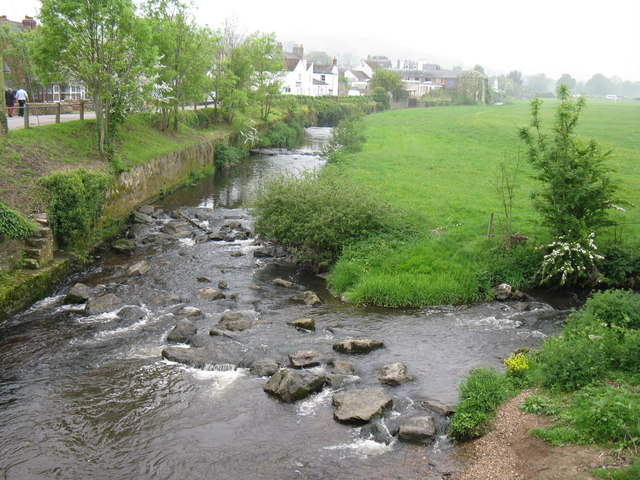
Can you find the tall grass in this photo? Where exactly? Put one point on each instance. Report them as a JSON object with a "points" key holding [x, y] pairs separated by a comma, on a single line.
{"points": [[439, 166]]}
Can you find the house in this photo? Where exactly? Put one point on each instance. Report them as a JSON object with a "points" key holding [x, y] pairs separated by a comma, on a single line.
{"points": [[53, 92], [419, 82], [360, 76], [301, 77]]}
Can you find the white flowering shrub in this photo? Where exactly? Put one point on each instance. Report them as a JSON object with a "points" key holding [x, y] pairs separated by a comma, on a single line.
{"points": [[571, 262]]}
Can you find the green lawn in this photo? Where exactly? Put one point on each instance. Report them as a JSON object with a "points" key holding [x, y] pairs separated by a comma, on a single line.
{"points": [[439, 165]]}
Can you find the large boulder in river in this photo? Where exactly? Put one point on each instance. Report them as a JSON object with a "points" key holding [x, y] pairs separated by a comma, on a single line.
{"points": [[177, 229], [357, 345], [290, 385], [210, 293], [234, 322], [193, 357], [360, 405], [264, 367], [132, 313], [103, 303], [394, 374], [189, 312], [418, 430], [305, 359], [139, 268], [79, 293], [124, 245], [183, 331], [308, 297], [303, 324]]}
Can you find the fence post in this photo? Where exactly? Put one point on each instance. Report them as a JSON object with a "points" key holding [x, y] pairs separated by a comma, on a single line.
{"points": [[26, 115], [58, 108], [81, 109]]}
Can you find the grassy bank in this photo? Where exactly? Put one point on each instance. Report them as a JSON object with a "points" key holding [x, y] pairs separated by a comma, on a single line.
{"points": [[440, 167], [26, 155]]}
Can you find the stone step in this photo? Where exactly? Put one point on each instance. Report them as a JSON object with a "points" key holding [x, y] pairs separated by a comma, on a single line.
{"points": [[31, 264], [33, 253], [35, 242]]}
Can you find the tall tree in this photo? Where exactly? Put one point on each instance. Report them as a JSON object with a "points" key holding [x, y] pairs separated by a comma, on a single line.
{"points": [[539, 84], [268, 62], [567, 80], [185, 52], [103, 45], [390, 81], [599, 85]]}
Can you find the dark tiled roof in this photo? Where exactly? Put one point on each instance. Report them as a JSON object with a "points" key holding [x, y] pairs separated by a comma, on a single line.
{"points": [[290, 64], [322, 68], [361, 75], [318, 82]]}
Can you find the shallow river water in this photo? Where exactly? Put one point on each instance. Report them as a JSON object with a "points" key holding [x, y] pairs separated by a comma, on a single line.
{"points": [[90, 396]]}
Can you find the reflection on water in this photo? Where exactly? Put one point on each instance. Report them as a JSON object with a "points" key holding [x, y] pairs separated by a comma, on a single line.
{"points": [[91, 397]]}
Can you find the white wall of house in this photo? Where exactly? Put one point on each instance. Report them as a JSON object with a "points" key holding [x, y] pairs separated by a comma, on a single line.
{"points": [[298, 81], [330, 79]]}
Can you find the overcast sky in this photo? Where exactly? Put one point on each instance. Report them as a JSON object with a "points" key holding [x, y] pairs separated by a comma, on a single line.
{"points": [[578, 37]]}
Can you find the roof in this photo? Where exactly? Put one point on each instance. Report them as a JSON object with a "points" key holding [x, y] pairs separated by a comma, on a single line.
{"points": [[434, 73], [290, 64], [322, 68], [318, 82], [360, 75]]}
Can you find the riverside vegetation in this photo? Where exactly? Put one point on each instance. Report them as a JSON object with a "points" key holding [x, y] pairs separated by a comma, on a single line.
{"points": [[431, 177]]}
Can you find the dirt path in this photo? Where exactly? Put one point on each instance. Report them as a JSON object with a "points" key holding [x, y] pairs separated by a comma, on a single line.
{"points": [[508, 452]]}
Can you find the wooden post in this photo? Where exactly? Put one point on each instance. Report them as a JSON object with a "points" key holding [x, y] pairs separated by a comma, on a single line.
{"points": [[26, 115], [58, 108], [4, 126], [81, 109], [490, 225]]}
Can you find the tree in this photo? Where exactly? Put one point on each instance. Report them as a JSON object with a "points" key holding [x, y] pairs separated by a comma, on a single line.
{"points": [[268, 62], [513, 84], [106, 47], [185, 52], [538, 84], [479, 69], [567, 80], [576, 192], [381, 97], [389, 81], [598, 85], [320, 58], [473, 87]]}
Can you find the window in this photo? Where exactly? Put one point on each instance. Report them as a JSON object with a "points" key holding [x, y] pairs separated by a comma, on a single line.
{"points": [[323, 78], [76, 92], [55, 97]]}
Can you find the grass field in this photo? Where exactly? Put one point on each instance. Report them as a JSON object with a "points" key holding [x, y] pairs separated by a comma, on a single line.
{"points": [[440, 165]]}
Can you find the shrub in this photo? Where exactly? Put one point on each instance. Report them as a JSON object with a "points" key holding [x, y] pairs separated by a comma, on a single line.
{"points": [[630, 473], [285, 135], [620, 266], [347, 137], [13, 224], [316, 216], [481, 392], [74, 204], [611, 308], [227, 156], [571, 262]]}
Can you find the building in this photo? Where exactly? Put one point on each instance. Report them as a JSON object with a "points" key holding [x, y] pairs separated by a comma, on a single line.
{"points": [[301, 77]]}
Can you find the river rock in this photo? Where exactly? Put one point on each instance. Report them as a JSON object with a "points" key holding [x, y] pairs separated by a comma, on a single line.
{"points": [[137, 230], [131, 313], [394, 374], [360, 405], [102, 304], [146, 209], [139, 268], [222, 285], [158, 239], [290, 385], [193, 357], [234, 322], [183, 331], [308, 297], [304, 359], [166, 299], [336, 381], [418, 430], [215, 237], [439, 407], [242, 235], [79, 293], [264, 367], [140, 217], [303, 324], [190, 312], [210, 294], [263, 252], [281, 282], [502, 292], [357, 345], [236, 253], [124, 245], [340, 367], [177, 228]]}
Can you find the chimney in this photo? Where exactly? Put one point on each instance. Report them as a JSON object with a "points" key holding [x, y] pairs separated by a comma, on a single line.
{"points": [[298, 51], [29, 23], [279, 46], [335, 61]]}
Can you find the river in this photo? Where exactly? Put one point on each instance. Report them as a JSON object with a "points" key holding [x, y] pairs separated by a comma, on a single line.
{"points": [[90, 396]]}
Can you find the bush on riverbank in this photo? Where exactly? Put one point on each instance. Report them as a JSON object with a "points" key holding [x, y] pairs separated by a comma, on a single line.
{"points": [[317, 215], [13, 224], [75, 202]]}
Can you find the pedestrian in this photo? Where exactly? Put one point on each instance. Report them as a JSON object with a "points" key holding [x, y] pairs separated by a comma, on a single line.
{"points": [[22, 97], [9, 99]]}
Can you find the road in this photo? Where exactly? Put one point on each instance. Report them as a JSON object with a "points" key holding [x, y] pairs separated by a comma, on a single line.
{"points": [[17, 122]]}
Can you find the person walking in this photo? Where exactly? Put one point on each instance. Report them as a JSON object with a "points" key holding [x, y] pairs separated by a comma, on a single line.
{"points": [[9, 100], [22, 97]]}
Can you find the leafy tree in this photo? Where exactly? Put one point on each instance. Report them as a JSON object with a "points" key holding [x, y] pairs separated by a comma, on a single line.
{"points": [[599, 85], [14, 45], [381, 97], [106, 47], [320, 58], [479, 69], [567, 80], [390, 81], [577, 191], [267, 62], [473, 87], [538, 84], [185, 52]]}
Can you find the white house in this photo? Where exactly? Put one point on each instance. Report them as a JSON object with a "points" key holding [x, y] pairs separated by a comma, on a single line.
{"points": [[297, 77], [326, 79]]}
